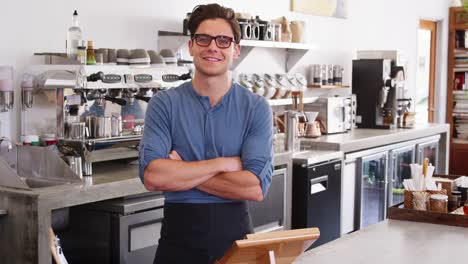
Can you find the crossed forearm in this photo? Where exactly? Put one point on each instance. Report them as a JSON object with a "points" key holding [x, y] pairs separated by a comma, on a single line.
{"points": [[178, 175], [222, 177], [236, 185]]}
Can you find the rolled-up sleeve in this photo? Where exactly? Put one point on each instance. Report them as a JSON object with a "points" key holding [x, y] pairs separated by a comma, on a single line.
{"points": [[257, 155], [156, 141]]}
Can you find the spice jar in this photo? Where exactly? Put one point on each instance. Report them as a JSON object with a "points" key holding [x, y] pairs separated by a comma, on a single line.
{"points": [[438, 203], [455, 201]]}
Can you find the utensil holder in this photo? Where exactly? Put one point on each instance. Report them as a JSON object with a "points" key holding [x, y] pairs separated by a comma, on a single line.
{"points": [[408, 196]]}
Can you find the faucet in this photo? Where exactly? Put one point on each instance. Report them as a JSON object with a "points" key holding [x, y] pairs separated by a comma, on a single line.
{"points": [[8, 141]]}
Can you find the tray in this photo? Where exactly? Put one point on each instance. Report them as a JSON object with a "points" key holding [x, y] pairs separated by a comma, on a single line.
{"points": [[452, 219]]}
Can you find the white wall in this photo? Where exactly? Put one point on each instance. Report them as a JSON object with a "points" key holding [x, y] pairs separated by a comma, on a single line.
{"points": [[39, 26]]}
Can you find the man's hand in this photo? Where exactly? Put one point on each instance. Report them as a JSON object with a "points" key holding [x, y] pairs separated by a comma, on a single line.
{"points": [[230, 164], [174, 155]]}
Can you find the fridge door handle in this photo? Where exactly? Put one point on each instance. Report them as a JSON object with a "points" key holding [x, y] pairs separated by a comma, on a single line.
{"points": [[319, 184]]}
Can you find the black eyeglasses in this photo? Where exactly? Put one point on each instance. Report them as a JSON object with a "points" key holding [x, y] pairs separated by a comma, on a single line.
{"points": [[204, 40]]}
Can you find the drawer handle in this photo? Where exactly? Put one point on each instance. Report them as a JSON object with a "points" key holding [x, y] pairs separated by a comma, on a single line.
{"points": [[319, 184]]}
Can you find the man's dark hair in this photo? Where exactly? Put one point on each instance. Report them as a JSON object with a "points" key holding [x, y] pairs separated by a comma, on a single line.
{"points": [[212, 11]]}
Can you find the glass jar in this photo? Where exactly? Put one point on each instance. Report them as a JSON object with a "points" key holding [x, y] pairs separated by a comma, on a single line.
{"points": [[455, 201], [438, 203]]}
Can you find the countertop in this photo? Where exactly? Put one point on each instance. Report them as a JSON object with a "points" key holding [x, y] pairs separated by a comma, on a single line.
{"points": [[394, 241], [110, 180], [363, 138], [316, 156]]}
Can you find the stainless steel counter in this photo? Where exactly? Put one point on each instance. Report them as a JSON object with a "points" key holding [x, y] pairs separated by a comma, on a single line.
{"points": [[316, 156], [25, 228], [393, 241], [361, 138]]}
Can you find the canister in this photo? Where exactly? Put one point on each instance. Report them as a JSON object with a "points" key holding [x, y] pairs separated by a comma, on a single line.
{"points": [[337, 75], [323, 73], [277, 32], [330, 74], [438, 203]]}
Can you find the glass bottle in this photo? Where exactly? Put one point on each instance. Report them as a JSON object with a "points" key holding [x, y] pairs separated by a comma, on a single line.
{"points": [[81, 54], [90, 56], [73, 37]]}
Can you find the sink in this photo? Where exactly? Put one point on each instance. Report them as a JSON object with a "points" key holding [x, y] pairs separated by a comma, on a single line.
{"points": [[43, 183], [29, 167]]}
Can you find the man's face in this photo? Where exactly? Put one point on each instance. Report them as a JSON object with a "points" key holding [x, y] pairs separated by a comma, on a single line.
{"points": [[212, 60]]}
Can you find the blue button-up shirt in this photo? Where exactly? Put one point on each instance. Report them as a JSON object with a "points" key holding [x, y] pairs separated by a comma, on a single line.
{"points": [[239, 125]]}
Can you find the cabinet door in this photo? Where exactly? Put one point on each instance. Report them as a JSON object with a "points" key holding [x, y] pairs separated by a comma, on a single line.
{"points": [[373, 189], [348, 197], [400, 170], [269, 214], [429, 150]]}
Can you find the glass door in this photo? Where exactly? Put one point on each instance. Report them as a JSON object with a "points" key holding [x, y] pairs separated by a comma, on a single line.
{"points": [[373, 182], [429, 150], [400, 170]]}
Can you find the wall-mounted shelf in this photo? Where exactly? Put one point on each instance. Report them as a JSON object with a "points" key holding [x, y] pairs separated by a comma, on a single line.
{"points": [[294, 51], [313, 86], [288, 101]]}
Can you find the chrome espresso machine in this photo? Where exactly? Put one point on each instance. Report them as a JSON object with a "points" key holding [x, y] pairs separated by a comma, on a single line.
{"points": [[95, 112]]}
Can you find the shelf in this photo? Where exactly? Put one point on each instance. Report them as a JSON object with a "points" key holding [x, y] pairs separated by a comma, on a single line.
{"points": [[460, 69], [460, 141], [460, 27], [460, 91], [294, 51], [288, 101], [314, 86], [459, 114], [274, 44]]}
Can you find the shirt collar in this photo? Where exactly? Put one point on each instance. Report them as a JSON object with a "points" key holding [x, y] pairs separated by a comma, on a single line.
{"points": [[204, 99]]}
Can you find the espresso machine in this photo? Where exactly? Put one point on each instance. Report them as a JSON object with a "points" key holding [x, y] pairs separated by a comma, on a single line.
{"points": [[378, 81], [95, 111]]}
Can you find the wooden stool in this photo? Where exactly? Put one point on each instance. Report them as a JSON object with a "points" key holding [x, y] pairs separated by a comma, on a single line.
{"points": [[281, 247]]}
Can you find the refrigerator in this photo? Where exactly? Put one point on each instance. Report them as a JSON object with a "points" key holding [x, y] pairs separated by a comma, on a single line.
{"points": [[371, 199], [400, 160]]}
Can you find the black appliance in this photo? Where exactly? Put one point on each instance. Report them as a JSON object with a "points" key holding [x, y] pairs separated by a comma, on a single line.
{"points": [[379, 88], [123, 230], [316, 198]]}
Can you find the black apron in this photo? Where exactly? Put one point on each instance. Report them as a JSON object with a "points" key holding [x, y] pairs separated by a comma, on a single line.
{"points": [[201, 233]]}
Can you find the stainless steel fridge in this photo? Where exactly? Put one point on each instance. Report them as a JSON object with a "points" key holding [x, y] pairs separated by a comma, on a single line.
{"points": [[400, 160], [371, 187]]}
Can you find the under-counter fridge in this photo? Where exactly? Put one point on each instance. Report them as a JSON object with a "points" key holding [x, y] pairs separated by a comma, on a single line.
{"points": [[371, 189], [373, 180], [316, 195], [400, 160]]}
